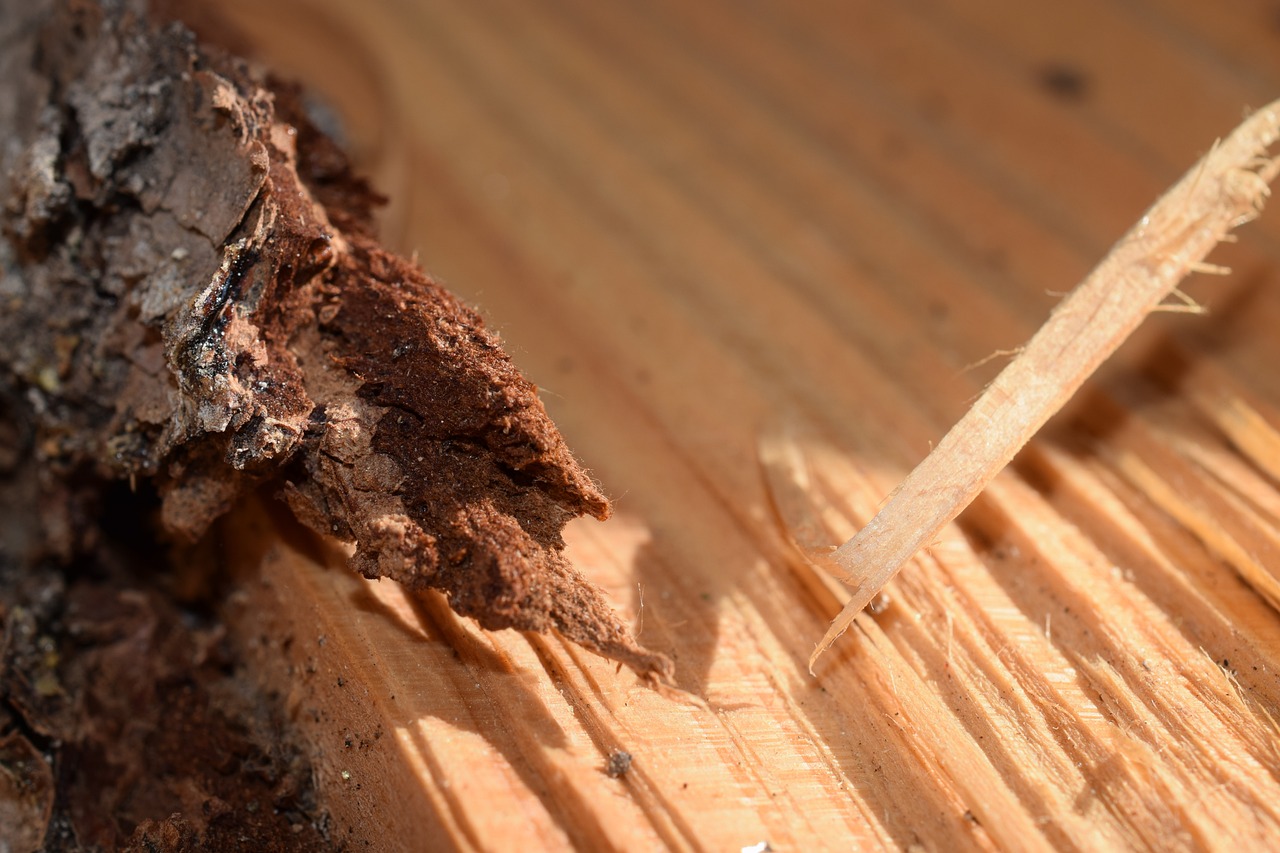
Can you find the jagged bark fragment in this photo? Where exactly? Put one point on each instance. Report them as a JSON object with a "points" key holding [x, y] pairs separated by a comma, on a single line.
{"points": [[192, 296]]}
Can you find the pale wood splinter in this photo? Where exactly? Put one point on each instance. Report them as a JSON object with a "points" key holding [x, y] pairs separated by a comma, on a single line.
{"points": [[1224, 190]]}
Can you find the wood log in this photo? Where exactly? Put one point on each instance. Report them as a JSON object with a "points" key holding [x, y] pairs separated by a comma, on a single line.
{"points": [[689, 221], [721, 215]]}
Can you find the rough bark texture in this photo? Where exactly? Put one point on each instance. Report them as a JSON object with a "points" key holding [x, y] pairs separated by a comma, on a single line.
{"points": [[124, 725], [192, 296]]}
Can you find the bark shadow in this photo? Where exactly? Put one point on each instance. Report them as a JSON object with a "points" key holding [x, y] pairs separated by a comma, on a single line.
{"points": [[482, 691], [677, 614]]}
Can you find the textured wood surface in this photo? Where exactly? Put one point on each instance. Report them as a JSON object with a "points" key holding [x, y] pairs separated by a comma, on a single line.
{"points": [[695, 222]]}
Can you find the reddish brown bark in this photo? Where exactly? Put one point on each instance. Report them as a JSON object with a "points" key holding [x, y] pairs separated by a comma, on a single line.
{"points": [[194, 298]]}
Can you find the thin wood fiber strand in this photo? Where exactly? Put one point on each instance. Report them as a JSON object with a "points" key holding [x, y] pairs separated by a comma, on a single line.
{"points": [[1224, 190]]}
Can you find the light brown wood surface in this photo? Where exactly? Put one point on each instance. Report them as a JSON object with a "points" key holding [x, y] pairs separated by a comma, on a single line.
{"points": [[698, 225], [1224, 190]]}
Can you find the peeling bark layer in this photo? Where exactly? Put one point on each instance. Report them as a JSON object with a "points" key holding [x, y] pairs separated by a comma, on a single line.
{"points": [[191, 295]]}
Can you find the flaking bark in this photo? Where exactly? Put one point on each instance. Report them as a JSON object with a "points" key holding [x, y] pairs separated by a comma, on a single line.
{"points": [[192, 295]]}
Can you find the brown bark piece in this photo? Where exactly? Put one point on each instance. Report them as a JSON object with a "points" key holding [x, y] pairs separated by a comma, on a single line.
{"points": [[192, 296], [125, 728]]}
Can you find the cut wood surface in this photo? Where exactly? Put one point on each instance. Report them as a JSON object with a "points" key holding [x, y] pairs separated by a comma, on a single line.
{"points": [[693, 221]]}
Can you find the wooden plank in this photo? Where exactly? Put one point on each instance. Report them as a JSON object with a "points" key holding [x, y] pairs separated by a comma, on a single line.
{"points": [[689, 220]]}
